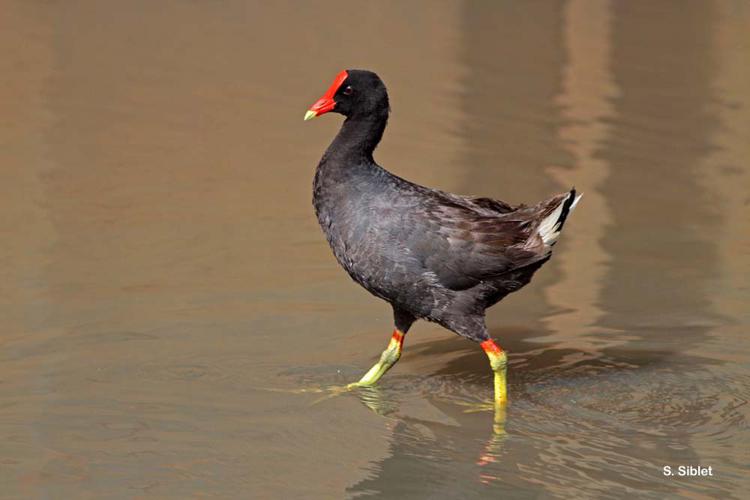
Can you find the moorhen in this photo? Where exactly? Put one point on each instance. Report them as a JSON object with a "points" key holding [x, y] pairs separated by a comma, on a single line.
{"points": [[432, 255]]}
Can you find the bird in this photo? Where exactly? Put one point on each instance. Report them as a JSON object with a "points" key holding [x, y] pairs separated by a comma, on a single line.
{"points": [[432, 255]]}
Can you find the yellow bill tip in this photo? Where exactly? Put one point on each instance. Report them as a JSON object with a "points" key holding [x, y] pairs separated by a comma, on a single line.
{"points": [[309, 115]]}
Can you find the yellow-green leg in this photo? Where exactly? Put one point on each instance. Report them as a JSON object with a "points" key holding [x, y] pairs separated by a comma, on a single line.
{"points": [[389, 357], [498, 362]]}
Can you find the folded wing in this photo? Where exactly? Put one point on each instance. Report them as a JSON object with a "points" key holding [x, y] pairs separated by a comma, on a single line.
{"points": [[464, 241]]}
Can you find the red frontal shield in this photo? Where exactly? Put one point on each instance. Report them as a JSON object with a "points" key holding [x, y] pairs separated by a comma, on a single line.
{"points": [[326, 103]]}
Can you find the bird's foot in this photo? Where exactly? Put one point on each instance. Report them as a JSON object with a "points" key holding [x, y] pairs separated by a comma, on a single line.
{"points": [[357, 385], [477, 407], [369, 395], [333, 391], [298, 390], [327, 392], [482, 406]]}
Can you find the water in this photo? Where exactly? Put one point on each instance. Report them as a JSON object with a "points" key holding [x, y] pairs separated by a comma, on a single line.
{"points": [[169, 306]]}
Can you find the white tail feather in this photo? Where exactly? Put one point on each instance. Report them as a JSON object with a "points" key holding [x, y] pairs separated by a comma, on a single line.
{"points": [[575, 202], [549, 228]]}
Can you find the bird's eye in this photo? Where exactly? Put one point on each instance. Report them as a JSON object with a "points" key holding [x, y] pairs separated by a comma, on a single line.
{"points": [[348, 90]]}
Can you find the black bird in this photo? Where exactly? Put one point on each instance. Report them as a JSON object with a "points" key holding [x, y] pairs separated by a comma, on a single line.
{"points": [[432, 255]]}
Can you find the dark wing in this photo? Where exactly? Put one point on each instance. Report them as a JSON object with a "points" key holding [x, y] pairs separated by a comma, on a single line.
{"points": [[465, 241]]}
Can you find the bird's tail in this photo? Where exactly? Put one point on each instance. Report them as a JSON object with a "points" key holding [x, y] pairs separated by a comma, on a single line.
{"points": [[551, 226]]}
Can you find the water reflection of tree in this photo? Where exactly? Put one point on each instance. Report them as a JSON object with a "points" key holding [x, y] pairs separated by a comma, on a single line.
{"points": [[664, 256]]}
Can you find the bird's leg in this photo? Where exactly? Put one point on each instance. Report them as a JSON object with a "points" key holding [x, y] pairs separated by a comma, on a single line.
{"points": [[498, 362], [387, 360]]}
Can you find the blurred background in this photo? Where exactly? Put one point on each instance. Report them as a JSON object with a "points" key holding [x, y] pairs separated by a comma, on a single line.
{"points": [[169, 306]]}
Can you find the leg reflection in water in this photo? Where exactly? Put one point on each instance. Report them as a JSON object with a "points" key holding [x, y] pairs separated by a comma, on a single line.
{"points": [[378, 401]]}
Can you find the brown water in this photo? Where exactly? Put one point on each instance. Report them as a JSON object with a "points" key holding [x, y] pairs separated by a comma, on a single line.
{"points": [[165, 289]]}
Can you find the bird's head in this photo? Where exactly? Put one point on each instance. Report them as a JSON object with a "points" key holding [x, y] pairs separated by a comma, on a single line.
{"points": [[354, 93]]}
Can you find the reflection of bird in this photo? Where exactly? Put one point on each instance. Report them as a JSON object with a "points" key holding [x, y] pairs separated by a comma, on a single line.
{"points": [[432, 255]]}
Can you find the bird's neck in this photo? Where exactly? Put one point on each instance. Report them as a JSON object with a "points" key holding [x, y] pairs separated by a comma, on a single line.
{"points": [[358, 137]]}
